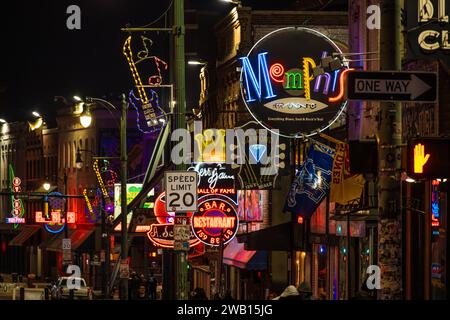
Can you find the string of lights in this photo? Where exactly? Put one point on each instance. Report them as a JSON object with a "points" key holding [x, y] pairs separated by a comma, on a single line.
{"points": [[100, 180], [88, 202], [135, 73]]}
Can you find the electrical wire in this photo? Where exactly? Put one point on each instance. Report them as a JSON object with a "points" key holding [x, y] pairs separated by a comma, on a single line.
{"points": [[160, 17]]}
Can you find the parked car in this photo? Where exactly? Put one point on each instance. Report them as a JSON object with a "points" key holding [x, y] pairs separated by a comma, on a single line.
{"points": [[60, 289]]}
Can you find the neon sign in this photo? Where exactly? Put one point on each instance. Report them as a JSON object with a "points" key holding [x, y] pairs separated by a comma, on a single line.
{"points": [[133, 190], [54, 223], [162, 235], [153, 113], [55, 217], [17, 210], [92, 213], [216, 221], [280, 89], [435, 210], [161, 214], [210, 146], [110, 183], [214, 178]]}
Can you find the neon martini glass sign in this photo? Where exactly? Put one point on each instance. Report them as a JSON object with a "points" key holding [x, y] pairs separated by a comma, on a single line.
{"points": [[279, 88]]}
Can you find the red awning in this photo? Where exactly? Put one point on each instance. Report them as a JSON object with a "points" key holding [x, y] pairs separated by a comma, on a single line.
{"points": [[235, 255], [77, 236], [26, 232]]}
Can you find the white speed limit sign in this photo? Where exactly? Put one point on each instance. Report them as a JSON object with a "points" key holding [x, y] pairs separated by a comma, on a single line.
{"points": [[181, 191]]}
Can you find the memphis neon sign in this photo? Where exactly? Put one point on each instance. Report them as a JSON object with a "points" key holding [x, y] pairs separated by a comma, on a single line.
{"points": [[291, 80], [281, 85]]}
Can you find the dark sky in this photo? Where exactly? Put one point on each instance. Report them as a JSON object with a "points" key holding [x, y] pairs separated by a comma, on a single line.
{"points": [[41, 58]]}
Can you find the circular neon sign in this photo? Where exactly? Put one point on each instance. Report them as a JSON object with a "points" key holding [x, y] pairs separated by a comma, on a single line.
{"points": [[56, 203], [278, 84], [215, 222]]}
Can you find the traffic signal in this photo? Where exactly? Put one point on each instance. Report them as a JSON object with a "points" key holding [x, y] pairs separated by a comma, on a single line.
{"points": [[428, 158]]}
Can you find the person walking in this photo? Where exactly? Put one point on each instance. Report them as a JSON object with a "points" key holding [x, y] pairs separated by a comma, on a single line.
{"points": [[199, 294], [290, 293], [152, 284], [305, 291]]}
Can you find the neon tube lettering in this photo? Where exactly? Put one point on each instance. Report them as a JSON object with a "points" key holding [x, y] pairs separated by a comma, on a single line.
{"points": [[249, 77]]}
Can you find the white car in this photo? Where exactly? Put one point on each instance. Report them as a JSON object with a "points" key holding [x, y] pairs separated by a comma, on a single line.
{"points": [[61, 291]]}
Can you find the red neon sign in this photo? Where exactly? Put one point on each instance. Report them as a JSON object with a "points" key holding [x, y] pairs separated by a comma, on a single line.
{"points": [[276, 72], [215, 222], [55, 217], [162, 235]]}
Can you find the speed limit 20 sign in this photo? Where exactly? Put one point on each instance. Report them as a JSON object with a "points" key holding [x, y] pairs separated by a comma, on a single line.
{"points": [[181, 191]]}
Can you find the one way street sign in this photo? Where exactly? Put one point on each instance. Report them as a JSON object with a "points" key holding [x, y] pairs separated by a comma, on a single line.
{"points": [[392, 86]]}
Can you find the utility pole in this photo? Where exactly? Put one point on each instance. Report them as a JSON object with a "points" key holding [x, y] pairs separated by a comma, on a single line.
{"points": [[389, 160], [104, 245], [66, 207], [123, 192], [180, 116], [66, 226]]}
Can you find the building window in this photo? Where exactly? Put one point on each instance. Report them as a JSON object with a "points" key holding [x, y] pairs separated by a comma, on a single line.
{"points": [[74, 152], [69, 152], [66, 156]]}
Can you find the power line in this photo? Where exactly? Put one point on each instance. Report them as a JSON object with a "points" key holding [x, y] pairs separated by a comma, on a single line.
{"points": [[160, 17]]}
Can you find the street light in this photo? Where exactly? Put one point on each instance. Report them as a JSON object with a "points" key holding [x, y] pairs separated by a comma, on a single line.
{"points": [[2, 121], [123, 173], [197, 63], [46, 186], [36, 114], [235, 2], [104, 228], [78, 160], [410, 180], [86, 117]]}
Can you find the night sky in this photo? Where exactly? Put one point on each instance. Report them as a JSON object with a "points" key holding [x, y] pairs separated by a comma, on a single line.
{"points": [[41, 58]]}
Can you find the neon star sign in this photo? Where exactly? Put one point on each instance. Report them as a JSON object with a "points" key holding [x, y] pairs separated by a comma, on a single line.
{"points": [[280, 89]]}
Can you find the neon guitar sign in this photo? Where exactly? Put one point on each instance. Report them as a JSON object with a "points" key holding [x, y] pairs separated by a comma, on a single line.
{"points": [[153, 113]]}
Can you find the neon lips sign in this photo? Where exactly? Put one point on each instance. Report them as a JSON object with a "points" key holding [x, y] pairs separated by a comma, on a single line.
{"points": [[279, 88]]}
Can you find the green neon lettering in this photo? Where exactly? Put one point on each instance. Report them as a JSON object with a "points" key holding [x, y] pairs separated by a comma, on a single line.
{"points": [[294, 80]]}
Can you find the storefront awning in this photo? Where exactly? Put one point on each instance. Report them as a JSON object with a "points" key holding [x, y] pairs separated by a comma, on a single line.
{"points": [[236, 255], [26, 232], [281, 237], [78, 237]]}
